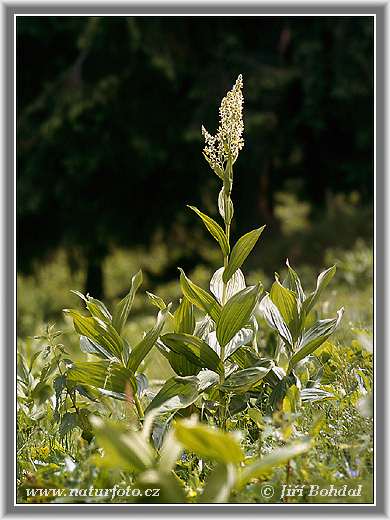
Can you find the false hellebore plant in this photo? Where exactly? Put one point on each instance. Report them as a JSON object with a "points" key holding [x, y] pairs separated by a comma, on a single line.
{"points": [[216, 356]]}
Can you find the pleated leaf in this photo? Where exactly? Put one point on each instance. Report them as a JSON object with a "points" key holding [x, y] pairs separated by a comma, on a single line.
{"points": [[123, 308], [199, 297], [215, 230], [194, 349], [314, 337], [236, 313], [240, 252], [141, 350], [99, 332]]}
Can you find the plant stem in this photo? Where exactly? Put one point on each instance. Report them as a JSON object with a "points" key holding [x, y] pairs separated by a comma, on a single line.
{"points": [[138, 405]]}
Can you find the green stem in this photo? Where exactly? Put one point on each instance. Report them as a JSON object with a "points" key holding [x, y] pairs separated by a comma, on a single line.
{"points": [[138, 405]]}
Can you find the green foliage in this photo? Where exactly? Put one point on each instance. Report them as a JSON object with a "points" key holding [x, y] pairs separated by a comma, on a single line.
{"points": [[244, 403]]}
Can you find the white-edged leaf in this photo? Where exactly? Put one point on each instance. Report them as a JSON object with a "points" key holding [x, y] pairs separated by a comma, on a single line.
{"points": [[233, 286], [243, 337]]}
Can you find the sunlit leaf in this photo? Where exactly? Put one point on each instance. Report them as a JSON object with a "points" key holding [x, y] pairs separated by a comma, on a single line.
{"points": [[240, 252], [236, 313], [123, 308], [199, 297], [215, 230]]}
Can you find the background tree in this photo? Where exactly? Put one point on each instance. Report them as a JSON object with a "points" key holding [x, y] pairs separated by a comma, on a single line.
{"points": [[109, 113]]}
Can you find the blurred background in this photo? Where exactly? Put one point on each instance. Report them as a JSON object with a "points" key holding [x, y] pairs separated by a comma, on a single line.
{"points": [[109, 112]]}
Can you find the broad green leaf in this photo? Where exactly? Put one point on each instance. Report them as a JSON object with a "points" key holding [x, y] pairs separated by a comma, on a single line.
{"points": [[123, 308], [125, 450], [223, 292], [156, 300], [240, 252], [177, 392], [219, 484], [293, 283], [314, 337], [103, 375], [209, 443], [275, 320], [194, 349], [199, 297], [184, 317], [322, 281], [100, 332], [180, 392], [242, 380], [179, 363], [269, 462], [286, 302], [236, 313], [141, 350], [215, 229]]}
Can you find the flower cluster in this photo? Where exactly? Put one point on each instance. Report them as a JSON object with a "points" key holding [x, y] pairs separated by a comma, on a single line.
{"points": [[228, 140]]}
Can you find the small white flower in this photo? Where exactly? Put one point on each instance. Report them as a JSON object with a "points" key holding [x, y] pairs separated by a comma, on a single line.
{"points": [[228, 140]]}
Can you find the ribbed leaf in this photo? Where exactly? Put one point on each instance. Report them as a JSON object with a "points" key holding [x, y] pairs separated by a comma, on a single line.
{"points": [[194, 349], [122, 309], [215, 229], [184, 317], [156, 300], [199, 297], [226, 291], [103, 375], [293, 283], [312, 395], [322, 281], [275, 320], [141, 350], [209, 443], [240, 252], [242, 380], [236, 313], [99, 332], [287, 304], [314, 337], [177, 392]]}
